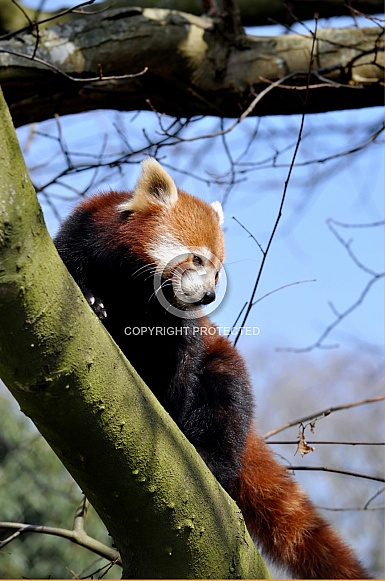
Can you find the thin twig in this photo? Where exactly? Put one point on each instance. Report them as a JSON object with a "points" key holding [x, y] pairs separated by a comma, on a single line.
{"points": [[281, 288], [337, 471], [328, 443], [373, 497], [365, 225], [323, 413], [250, 234], [340, 316], [31, 24], [352, 508], [262, 165], [237, 319], [44, 21], [246, 113], [348, 248], [60, 71]]}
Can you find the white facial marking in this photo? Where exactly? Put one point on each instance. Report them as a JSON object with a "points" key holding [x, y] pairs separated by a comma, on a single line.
{"points": [[217, 206], [124, 206], [167, 252]]}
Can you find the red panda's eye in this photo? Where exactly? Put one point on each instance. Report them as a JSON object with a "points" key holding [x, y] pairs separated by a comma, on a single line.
{"points": [[197, 260]]}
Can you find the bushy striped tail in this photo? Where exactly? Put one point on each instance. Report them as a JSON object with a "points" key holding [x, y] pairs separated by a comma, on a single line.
{"points": [[285, 524]]}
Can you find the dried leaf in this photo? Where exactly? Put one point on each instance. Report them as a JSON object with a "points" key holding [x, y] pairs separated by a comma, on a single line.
{"points": [[303, 447]]}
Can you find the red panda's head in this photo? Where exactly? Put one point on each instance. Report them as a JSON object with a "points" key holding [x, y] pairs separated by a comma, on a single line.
{"points": [[179, 234]]}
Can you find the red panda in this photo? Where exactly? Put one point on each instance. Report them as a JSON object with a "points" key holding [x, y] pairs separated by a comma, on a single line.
{"points": [[149, 259]]}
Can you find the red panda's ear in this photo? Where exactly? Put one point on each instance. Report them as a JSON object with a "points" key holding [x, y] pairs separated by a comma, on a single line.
{"points": [[154, 185], [217, 206]]}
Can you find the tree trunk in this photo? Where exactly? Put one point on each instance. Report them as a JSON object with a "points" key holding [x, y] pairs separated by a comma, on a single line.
{"points": [[165, 511], [188, 68]]}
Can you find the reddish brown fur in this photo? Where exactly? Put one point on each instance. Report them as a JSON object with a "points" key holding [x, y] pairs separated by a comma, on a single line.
{"points": [[285, 524], [191, 210], [133, 235]]}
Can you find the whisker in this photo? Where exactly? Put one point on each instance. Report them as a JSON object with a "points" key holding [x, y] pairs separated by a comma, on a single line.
{"points": [[150, 275], [163, 284], [144, 269]]}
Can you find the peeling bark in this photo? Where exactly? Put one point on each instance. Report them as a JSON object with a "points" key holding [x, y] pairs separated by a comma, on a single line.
{"points": [[190, 68]]}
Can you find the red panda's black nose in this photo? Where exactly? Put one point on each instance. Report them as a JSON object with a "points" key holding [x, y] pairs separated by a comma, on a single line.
{"points": [[208, 297]]}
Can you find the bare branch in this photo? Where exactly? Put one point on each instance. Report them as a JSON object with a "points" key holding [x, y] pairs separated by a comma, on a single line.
{"points": [[337, 471], [323, 413], [250, 234], [340, 316], [281, 288], [352, 508], [328, 443], [231, 18], [373, 497], [80, 515], [34, 24], [78, 537], [367, 225], [72, 78]]}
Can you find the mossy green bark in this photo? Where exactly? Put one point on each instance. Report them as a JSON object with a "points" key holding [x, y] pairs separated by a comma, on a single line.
{"points": [[166, 513]]}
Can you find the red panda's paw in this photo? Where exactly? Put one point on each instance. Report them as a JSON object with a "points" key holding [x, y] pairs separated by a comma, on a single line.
{"points": [[96, 305]]}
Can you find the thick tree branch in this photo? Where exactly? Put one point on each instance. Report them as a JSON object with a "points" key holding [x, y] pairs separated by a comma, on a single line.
{"points": [[191, 69], [253, 13], [168, 516]]}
